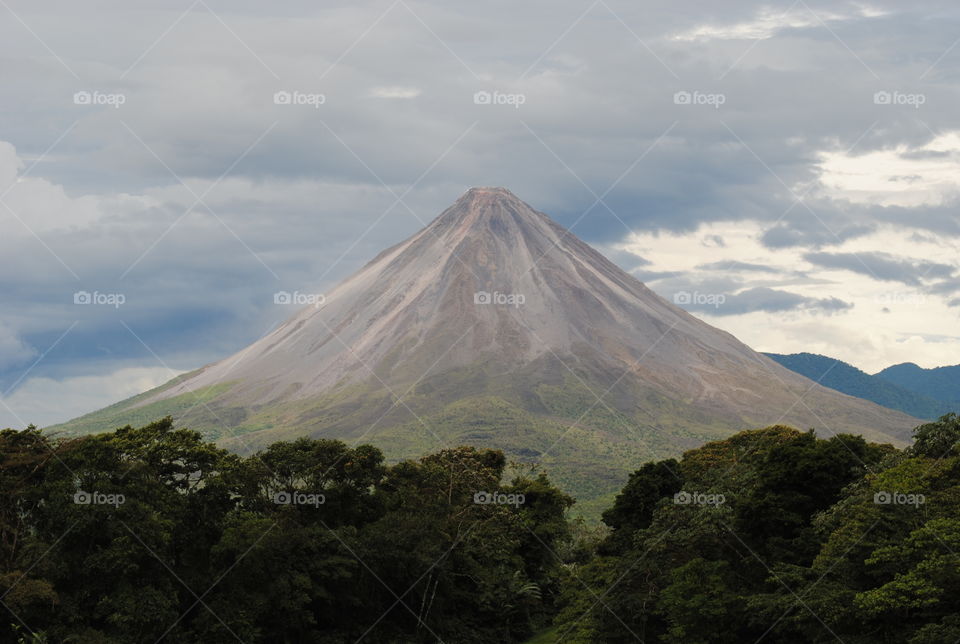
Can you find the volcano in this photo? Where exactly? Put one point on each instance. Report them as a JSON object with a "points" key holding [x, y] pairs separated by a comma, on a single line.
{"points": [[495, 326]]}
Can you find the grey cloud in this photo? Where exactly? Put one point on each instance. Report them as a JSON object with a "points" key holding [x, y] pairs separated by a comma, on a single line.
{"points": [[810, 232], [756, 299], [734, 265], [920, 155], [648, 277], [941, 220], [713, 241], [626, 260], [883, 266], [945, 287], [776, 301]]}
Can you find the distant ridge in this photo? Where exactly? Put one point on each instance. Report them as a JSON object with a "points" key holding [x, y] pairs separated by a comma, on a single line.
{"points": [[882, 390], [939, 383]]}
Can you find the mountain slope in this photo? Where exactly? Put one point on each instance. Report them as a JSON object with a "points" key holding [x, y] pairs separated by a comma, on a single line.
{"points": [[496, 326], [940, 383], [846, 378]]}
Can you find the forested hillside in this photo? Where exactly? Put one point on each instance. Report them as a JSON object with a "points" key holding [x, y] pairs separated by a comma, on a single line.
{"points": [[777, 536], [774, 535], [846, 378], [151, 533]]}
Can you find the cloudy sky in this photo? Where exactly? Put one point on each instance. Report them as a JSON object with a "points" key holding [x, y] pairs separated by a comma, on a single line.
{"points": [[787, 171]]}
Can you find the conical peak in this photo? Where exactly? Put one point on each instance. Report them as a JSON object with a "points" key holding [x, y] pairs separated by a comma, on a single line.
{"points": [[480, 205], [488, 196], [479, 190]]}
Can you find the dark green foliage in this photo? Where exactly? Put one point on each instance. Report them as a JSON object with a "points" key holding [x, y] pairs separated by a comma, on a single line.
{"points": [[936, 440], [306, 541], [633, 508], [805, 547], [772, 535]]}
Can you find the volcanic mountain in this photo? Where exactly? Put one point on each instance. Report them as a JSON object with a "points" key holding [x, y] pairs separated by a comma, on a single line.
{"points": [[495, 326]]}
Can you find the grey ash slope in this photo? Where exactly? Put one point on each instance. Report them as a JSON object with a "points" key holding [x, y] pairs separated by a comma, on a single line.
{"points": [[524, 378]]}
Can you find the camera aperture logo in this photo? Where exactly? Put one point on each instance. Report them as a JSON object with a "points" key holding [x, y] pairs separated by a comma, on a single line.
{"points": [[98, 498], [299, 498], [115, 300], [695, 97], [484, 97], [85, 97], [499, 498], [884, 497], [500, 299], [698, 498], [715, 300], [295, 97], [298, 298], [884, 97]]}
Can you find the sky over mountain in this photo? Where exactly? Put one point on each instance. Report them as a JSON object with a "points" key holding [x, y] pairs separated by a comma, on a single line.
{"points": [[787, 172]]}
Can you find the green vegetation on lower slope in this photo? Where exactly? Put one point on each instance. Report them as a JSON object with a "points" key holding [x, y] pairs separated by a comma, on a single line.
{"points": [[542, 414], [190, 408]]}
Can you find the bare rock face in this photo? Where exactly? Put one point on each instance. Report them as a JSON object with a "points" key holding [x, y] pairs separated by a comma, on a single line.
{"points": [[494, 316]]}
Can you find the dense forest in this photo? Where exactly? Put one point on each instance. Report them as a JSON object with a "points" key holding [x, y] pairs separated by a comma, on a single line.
{"points": [[773, 535]]}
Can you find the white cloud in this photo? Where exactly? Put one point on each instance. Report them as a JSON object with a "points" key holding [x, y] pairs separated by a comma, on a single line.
{"points": [[45, 401], [889, 322], [34, 204], [899, 176], [769, 21], [395, 92], [13, 351]]}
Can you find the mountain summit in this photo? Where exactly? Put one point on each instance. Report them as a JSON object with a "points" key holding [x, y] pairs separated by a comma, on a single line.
{"points": [[489, 281], [496, 326]]}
